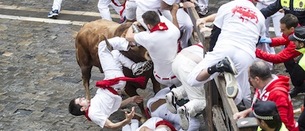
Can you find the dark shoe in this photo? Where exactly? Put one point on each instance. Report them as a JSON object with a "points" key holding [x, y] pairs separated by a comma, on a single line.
{"points": [[141, 67], [226, 65], [171, 102], [203, 12], [53, 14], [295, 91]]}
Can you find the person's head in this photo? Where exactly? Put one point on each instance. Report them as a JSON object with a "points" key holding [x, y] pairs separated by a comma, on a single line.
{"points": [[78, 106], [151, 19], [164, 125], [298, 37], [259, 74], [267, 115], [288, 23]]}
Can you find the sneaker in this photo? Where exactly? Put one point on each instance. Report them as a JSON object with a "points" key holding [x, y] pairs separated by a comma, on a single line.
{"points": [[226, 65], [203, 12], [231, 85], [141, 67], [295, 91], [171, 102], [184, 116], [53, 14]]}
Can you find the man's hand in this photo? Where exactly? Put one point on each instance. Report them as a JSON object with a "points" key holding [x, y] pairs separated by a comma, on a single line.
{"points": [[137, 99], [188, 4], [201, 21], [242, 114], [130, 115], [265, 40]]}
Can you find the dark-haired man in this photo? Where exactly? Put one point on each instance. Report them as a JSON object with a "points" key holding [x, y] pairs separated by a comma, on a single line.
{"points": [[288, 23], [271, 88], [107, 99], [161, 43]]}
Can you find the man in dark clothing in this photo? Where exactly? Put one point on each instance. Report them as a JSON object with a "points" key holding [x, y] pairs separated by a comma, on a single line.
{"points": [[299, 39]]}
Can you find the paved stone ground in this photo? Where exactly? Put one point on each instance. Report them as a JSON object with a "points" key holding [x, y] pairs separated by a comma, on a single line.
{"points": [[39, 73]]}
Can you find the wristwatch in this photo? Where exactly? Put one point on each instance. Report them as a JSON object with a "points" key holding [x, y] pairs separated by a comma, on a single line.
{"points": [[180, 5]]}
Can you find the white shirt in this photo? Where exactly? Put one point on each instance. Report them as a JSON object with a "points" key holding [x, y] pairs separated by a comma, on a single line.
{"points": [[102, 105], [146, 5], [162, 47], [241, 24]]}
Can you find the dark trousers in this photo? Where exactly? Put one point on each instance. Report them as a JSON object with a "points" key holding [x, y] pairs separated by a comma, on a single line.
{"points": [[296, 72], [213, 37], [301, 120]]}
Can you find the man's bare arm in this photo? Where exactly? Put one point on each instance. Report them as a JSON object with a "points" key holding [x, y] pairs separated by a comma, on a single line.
{"points": [[120, 124]]}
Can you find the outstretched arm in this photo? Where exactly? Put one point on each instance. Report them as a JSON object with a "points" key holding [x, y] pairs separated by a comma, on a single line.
{"points": [[128, 117], [135, 99]]}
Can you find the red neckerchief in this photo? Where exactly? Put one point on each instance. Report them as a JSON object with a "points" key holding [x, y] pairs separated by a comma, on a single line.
{"points": [[160, 26], [86, 114]]}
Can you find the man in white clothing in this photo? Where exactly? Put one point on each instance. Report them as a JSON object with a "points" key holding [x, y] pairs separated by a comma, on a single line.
{"points": [[185, 24], [183, 64], [161, 44], [107, 99], [241, 24]]}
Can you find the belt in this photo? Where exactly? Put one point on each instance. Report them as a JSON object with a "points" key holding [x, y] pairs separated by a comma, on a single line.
{"points": [[172, 77], [156, 104]]}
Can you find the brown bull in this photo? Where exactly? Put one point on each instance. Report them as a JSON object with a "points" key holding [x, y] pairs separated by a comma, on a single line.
{"points": [[86, 44]]}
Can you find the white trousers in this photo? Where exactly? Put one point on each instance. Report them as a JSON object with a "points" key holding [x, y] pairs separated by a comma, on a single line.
{"points": [[275, 19], [130, 10], [103, 7], [241, 59], [113, 61], [182, 66], [185, 25], [56, 5]]}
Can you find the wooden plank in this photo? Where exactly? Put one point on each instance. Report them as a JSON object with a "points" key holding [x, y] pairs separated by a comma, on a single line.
{"points": [[228, 103], [247, 124], [209, 105], [218, 118]]}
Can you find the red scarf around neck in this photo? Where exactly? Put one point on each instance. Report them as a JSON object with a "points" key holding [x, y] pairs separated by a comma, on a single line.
{"points": [[160, 26], [86, 114]]}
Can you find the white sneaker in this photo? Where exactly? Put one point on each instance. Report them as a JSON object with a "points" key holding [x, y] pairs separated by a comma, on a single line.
{"points": [[184, 116], [141, 67], [171, 102]]}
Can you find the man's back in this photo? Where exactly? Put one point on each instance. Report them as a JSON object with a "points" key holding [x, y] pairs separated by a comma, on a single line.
{"points": [[241, 23], [161, 45]]}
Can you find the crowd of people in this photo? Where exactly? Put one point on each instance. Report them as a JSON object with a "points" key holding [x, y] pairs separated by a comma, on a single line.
{"points": [[240, 30]]}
